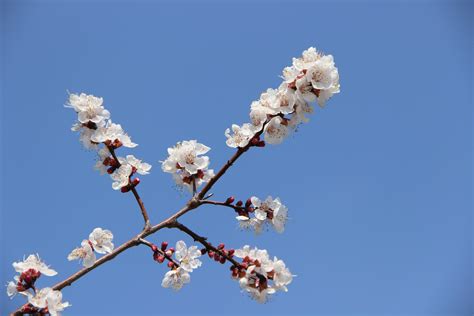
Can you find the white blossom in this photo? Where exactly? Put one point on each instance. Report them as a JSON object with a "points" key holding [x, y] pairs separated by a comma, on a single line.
{"points": [[103, 153], [258, 115], [39, 299], [101, 240], [121, 176], [89, 108], [33, 262], [263, 276], [84, 253], [185, 156], [112, 132], [12, 288], [175, 279], [276, 130], [47, 297], [85, 138], [142, 168], [55, 304], [187, 257], [241, 135]]}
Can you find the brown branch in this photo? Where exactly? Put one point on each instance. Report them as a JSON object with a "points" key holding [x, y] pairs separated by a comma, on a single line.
{"points": [[193, 203], [203, 241], [235, 207]]}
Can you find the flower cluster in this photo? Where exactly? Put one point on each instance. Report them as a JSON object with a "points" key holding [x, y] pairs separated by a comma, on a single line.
{"points": [[187, 165], [41, 301], [259, 275], [256, 214], [100, 241], [312, 77], [187, 261], [96, 127]]}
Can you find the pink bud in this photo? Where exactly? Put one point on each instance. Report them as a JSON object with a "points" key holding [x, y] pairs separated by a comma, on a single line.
{"points": [[221, 246], [239, 203], [154, 248], [164, 245], [230, 200], [135, 181], [170, 264]]}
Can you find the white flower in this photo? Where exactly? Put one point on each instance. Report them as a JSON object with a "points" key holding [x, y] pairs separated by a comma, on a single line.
{"points": [[187, 257], [12, 288], [308, 58], [85, 138], [47, 297], [258, 115], [324, 95], [54, 303], [142, 168], [39, 299], [281, 275], [185, 179], [305, 89], [101, 240], [276, 131], [241, 135], [103, 154], [84, 253], [121, 176], [323, 74], [185, 156], [89, 108], [176, 278], [280, 216], [112, 132], [33, 262]]}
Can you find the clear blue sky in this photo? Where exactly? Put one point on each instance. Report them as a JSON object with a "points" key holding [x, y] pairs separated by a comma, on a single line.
{"points": [[378, 185]]}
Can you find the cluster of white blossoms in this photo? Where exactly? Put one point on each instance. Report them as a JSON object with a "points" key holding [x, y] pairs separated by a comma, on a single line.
{"points": [[259, 275], [187, 259], [312, 77], [187, 165], [100, 241], [40, 301], [270, 211], [96, 128]]}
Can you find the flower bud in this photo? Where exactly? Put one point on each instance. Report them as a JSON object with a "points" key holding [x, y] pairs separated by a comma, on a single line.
{"points": [[221, 246], [231, 252], [125, 189], [230, 200], [135, 181], [211, 254], [164, 245], [203, 251], [222, 260], [261, 144], [239, 203], [170, 264], [248, 203], [171, 249], [154, 248]]}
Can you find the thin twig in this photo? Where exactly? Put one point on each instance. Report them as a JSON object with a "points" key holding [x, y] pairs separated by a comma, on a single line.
{"points": [[163, 253], [235, 207], [203, 241]]}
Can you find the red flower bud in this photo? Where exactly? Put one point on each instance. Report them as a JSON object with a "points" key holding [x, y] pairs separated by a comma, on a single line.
{"points": [[230, 200], [231, 252], [170, 264], [217, 257], [203, 251], [171, 249], [222, 260], [248, 202], [164, 245], [135, 181], [221, 246], [125, 189], [239, 203], [211, 254], [160, 259], [261, 144], [154, 248]]}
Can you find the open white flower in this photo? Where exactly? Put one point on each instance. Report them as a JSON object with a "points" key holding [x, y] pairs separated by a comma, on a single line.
{"points": [[39, 299], [175, 279], [47, 297], [12, 289], [55, 304], [102, 153], [276, 131], [280, 216], [101, 240], [325, 95], [84, 253], [121, 176], [142, 168], [258, 115], [185, 156], [89, 108], [323, 74], [112, 132], [241, 135], [281, 275], [33, 262], [187, 257]]}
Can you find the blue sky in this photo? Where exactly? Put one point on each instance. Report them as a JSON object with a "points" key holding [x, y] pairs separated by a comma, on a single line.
{"points": [[378, 184]]}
